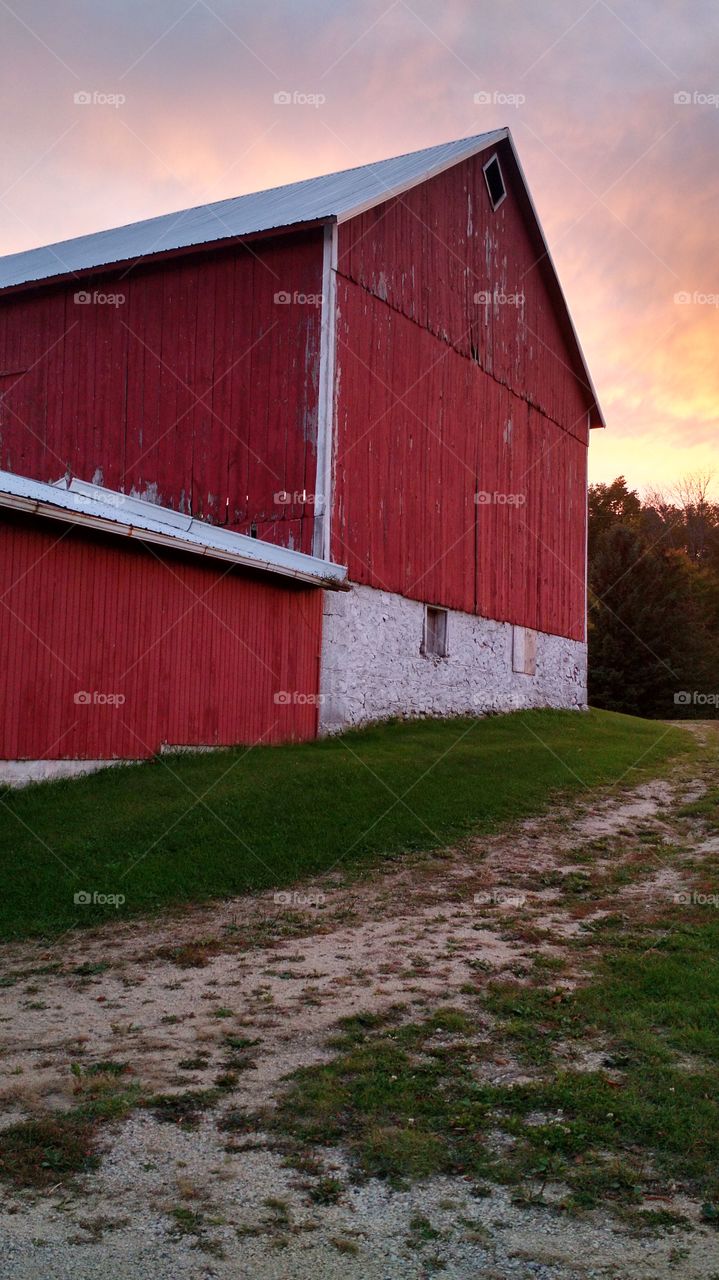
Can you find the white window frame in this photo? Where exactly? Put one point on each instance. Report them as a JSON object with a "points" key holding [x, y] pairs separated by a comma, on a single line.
{"points": [[494, 159], [443, 614]]}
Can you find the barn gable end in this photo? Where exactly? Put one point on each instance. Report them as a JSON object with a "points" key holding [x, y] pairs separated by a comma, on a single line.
{"points": [[462, 414], [477, 278]]}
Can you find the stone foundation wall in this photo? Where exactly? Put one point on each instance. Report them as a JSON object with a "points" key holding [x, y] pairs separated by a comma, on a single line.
{"points": [[372, 667]]}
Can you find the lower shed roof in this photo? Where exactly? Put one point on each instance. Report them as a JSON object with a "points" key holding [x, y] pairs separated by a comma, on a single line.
{"points": [[90, 505]]}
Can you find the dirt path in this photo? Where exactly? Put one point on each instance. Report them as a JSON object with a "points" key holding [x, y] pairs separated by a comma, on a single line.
{"points": [[278, 972]]}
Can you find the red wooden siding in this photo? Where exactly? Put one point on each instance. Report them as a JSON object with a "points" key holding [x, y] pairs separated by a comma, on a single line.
{"points": [[432, 250], [198, 653], [439, 399], [199, 390]]}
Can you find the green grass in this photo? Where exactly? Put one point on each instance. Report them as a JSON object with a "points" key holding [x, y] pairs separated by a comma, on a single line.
{"points": [[706, 808], [656, 1099], [188, 828], [407, 1101], [183, 1109], [57, 1146], [43, 1152]]}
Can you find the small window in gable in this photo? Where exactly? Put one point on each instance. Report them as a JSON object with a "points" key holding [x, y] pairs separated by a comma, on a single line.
{"points": [[495, 182], [524, 651], [434, 641]]}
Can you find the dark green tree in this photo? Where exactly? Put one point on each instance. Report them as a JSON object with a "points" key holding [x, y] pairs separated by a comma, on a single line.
{"points": [[638, 603], [653, 603], [611, 504]]}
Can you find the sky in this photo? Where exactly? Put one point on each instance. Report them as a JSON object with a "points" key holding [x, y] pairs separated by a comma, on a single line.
{"points": [[126, 109]]}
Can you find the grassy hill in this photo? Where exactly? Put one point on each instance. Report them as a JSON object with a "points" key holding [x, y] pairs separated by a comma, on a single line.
{"points": [[190, 827]]}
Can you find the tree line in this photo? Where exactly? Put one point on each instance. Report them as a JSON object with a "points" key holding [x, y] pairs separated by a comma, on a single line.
{"points": [[654, 600]]}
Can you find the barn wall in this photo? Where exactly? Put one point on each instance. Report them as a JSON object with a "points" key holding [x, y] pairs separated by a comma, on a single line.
{"points": [[198, 390], [372, 666], [477, 279], [186, 653], [461, 422], [450, 488]]}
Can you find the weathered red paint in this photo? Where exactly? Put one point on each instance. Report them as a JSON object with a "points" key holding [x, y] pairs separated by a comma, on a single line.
{"points": [[199, 389], [441, 398], [431, 250], [459, 462], [197, 652]]}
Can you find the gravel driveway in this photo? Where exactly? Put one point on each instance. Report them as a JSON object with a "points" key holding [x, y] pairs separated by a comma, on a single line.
{"points": [[275, 974]]}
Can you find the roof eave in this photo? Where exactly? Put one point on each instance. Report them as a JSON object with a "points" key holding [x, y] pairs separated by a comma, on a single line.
{"points": [[81, 507], [596, 417], [473, 148], [163, 255]]}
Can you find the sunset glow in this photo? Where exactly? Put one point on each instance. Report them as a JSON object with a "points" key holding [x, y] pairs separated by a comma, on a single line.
{"points": [[116, 113]]}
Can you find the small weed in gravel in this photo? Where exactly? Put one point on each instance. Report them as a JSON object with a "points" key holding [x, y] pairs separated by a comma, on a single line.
{"points": [[325, 1191], [343, 1245], [422, 1231], [182, 1108], [235, 1121]]}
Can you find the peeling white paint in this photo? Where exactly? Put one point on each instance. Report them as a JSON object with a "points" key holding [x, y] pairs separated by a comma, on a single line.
{"points": [[372, 668], [150, 493]]}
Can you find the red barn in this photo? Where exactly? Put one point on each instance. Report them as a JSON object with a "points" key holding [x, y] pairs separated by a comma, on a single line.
{"points": [[291, 462]]}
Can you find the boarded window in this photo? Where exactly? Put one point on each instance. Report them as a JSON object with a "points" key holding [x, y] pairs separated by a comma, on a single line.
{"points": [[434, 641], [524, 651]]}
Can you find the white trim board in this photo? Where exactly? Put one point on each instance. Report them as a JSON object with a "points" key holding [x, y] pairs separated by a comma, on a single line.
{"points": [[326, 396]]}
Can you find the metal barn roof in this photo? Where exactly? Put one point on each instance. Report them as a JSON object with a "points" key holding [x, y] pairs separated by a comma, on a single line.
{"points": [[111, 512], [333, 196]]}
